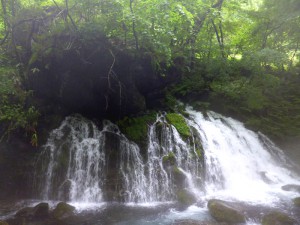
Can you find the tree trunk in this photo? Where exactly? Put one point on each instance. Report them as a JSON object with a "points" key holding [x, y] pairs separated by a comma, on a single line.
{"points": [[197, 28], [133, 26]]}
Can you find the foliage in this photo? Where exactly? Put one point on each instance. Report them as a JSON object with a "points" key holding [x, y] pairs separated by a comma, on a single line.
{"points": [[243, 53], [179, 123], [14, 112], [268, 103], [193, 83]]}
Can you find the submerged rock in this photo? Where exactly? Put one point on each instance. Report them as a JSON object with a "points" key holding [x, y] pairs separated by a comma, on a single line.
{"points": [[195, 222], [297, 201], [291, 187], [63, 210], [223, 211], [3, 222], [278, 218]]}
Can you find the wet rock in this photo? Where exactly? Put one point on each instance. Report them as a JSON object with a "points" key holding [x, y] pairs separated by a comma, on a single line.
{"points": [[195, 222], [297, 201], [291, 187], [265, 178], [169, 160], [41, 210], [278, 218], [63, 211], [178, 177], [185, 197], [223, 211]]}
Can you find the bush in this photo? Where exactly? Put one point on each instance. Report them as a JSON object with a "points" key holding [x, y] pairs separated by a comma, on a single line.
{"points": [[15, 114]]}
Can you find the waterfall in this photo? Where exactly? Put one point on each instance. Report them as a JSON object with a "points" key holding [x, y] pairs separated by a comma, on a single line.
{"points": [[72, 162], [221, 158], [240, 163], [167, 156]]}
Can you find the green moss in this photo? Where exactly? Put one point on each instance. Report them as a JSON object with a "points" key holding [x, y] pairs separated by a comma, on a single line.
{"points": [[169, 158], [198, 152], [179, 123], [136, 129], [176, 170]]}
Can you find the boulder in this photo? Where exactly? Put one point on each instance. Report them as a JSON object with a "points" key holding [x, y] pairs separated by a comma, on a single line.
{"points": [[185, 197], [41, 210], [195, 222], [63, 211], [297, 201], [291, 187], [178, 177], [277, 218], [3, 222], [223, 211]]}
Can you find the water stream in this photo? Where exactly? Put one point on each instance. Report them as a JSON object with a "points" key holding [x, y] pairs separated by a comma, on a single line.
{"points": [[99, 168]]}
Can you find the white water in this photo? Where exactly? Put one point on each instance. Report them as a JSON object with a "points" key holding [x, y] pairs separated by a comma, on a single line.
{"points": [[133, 172], [149, 180], [240, 164], [76, 162]]}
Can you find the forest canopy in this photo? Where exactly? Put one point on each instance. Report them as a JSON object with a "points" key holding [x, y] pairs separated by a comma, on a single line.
{"points": [[243, 53]]}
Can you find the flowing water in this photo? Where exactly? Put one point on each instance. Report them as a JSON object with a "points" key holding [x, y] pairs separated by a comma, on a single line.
{"points": [[239, 163], [99, 168]]}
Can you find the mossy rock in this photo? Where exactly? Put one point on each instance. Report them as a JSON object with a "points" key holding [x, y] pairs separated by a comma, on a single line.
{"points": [[136, 129], [278, 218], [195, 222], [179, 123], [178, 177], [169, 159], [223, 211], [199, 152], [185, 197], [3, 222], [41, 210], [297, 201], [63, 210]]}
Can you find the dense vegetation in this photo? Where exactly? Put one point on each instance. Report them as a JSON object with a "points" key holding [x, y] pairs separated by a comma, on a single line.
{"points": [[237, 57]]}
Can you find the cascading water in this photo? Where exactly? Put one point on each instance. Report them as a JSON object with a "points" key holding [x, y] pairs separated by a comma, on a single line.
{"points": [[240, 164], [167, 155], [83, 164], [73, 162], [220, 159]]}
